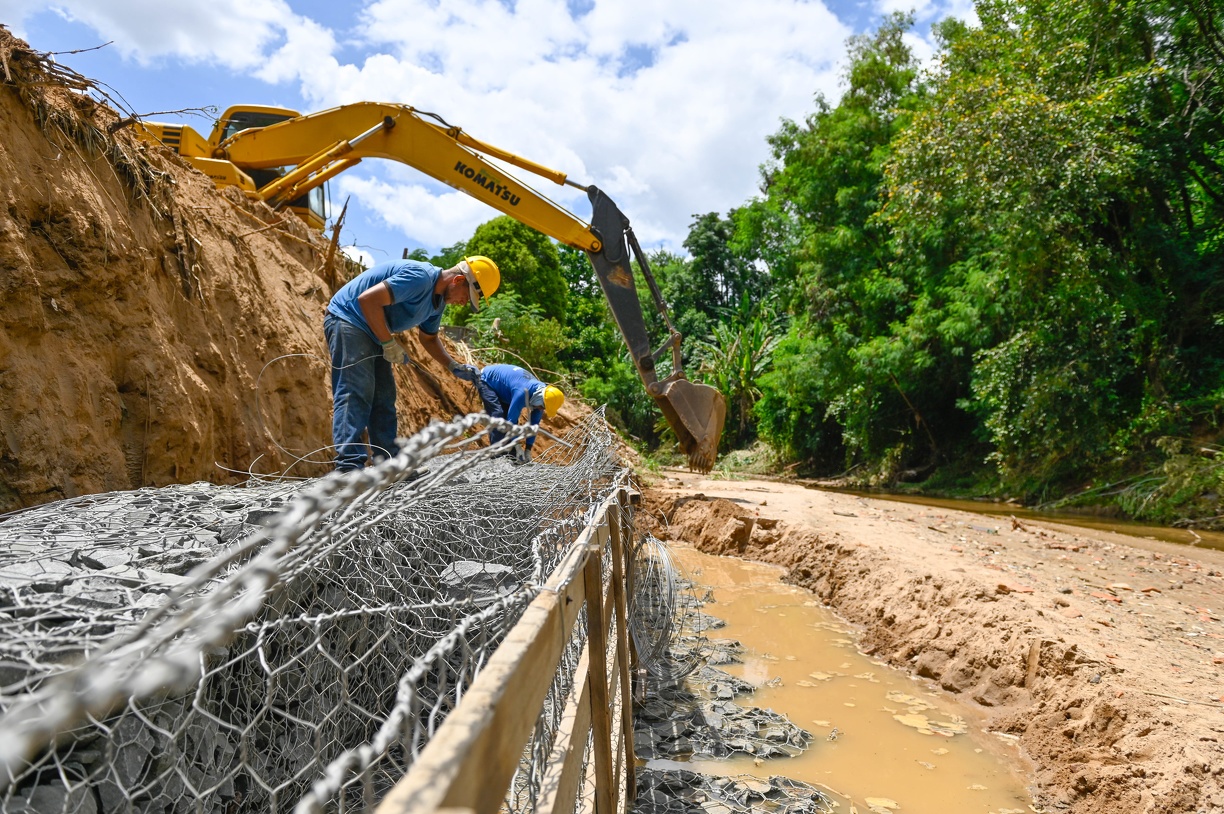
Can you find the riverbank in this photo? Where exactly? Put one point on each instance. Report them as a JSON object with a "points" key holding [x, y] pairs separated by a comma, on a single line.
{"points": [[1102, 653]]}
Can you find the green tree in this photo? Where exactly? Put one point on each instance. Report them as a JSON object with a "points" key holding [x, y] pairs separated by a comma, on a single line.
{"points": [[1059, 194], [735, 357], [528, 262], [830, 260], [593, 337], [510, 330]]}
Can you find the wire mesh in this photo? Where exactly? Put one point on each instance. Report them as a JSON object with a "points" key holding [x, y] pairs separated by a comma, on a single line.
{"points": [[275, 647], [663, 607]]}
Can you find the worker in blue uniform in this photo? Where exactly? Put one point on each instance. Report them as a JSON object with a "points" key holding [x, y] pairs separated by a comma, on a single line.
{"points": [[360, 325], [507, 390]]}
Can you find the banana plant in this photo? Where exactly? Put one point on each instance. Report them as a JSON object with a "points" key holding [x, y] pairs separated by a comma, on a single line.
{"points": [[737, 353]]}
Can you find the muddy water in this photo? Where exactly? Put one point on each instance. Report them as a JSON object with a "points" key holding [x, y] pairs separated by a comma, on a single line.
{"points": [[899, 745], [1205, 539]]}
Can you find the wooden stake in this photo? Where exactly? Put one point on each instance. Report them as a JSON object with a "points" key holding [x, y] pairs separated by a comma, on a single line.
{"points": [[619, 548], [601, 725]]}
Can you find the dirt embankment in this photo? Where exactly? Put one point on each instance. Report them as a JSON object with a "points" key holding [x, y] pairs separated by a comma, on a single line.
{"points": [[144, 315], [1103, 653]]}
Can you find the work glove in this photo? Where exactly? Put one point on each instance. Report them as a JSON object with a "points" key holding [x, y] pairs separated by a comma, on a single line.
{"points": [[394, 352], [522, 455], [468, 373]]}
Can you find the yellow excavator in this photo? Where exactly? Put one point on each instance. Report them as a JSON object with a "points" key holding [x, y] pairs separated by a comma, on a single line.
{"points": [[282, 157]]}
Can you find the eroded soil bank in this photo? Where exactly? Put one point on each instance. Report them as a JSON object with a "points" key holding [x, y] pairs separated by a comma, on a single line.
{"points": [[1103, 653]]}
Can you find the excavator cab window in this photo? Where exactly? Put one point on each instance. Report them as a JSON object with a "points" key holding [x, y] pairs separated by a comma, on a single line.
{"points": [[314, 201], [240, 120]]}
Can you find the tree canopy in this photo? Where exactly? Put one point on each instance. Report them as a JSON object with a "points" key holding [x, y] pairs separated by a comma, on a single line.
{"points": [[1003, 273]]}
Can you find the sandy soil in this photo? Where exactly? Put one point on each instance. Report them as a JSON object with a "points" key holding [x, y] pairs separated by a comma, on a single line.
{"points": [[154, 330], [1104, 653]]}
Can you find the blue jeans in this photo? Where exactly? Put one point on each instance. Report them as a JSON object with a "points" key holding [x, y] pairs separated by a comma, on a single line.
{"points": [[363, 395], [492, 406]]}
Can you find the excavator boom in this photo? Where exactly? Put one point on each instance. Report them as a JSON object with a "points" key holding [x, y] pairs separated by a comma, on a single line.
{"points": [[320, 145]]}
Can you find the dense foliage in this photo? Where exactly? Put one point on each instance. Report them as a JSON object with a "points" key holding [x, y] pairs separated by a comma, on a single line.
{"points": [[1003, 271]]}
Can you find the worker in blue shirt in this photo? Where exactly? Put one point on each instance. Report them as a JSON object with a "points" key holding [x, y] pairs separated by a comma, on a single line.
{"points": [[507, 390], [360, 325]]}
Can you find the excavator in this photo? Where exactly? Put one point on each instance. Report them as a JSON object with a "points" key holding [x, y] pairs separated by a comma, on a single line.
{"points": [[284, 158]]}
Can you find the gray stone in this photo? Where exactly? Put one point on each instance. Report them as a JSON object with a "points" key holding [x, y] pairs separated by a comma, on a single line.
{"points": [[479, 581], [102, 558], [53, 799], [42, 576], [260, 517]]}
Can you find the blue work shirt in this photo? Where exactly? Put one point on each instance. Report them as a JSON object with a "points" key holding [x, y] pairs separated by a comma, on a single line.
{"points": [[513, 387], [413, 301]]}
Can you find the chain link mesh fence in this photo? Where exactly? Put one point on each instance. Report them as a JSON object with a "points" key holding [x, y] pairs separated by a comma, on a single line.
{"points": [[277, 647]]}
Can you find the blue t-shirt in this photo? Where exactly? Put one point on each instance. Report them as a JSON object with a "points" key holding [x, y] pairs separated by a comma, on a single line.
{"points": [[514, 387], [413, 301]]}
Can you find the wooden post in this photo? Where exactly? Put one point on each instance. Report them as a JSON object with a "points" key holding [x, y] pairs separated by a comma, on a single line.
{"points": [[597, 640], [619, 546], [468, 764], [563, 778], [470, 760]]}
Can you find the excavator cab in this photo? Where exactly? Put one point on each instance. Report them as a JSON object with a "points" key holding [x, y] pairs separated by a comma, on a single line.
{"points": [[695, 412], [310, 206]]}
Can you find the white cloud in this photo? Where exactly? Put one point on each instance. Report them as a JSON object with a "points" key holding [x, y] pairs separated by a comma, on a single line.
{"points": [[666, 104], [14, 13], [417, 209], [679, 136], [238, 34], [358, 255]]}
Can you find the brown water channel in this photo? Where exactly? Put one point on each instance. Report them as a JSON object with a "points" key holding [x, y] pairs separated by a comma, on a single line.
{"points": [[1204, 539], [900, 745]]}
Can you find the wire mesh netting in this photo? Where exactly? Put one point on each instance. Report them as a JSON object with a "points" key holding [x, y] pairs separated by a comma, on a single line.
{"points": [[271, 647]]}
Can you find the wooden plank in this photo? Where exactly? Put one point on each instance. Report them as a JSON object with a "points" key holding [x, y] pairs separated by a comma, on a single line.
{"points": [[597, 632], [620, 546], [614, 685], [586, 798], [561, 781], [471, 758], [613, 677]]}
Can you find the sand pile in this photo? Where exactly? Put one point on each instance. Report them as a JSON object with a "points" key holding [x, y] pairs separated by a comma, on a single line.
{"points": [[143, 312]]}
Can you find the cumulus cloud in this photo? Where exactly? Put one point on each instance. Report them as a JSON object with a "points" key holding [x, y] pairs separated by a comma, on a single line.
{"points": [[665, 105], [416, 208], [238, 34]]}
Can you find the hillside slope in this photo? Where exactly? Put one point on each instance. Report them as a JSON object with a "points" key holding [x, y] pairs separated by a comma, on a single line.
{"points": [[144, 315]]}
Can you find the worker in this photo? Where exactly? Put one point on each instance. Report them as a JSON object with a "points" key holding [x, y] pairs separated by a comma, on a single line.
{"points": [[507, 390], [360, 325]]}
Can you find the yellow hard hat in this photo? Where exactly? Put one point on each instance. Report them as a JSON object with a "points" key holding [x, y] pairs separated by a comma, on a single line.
{"points": [[553, 399], [483, 277]]}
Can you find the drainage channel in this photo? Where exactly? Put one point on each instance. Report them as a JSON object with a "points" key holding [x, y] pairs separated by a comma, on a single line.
{"points": [[883, 741]]}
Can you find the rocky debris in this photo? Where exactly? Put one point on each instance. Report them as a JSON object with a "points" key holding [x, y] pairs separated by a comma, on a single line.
{"points": [[694, 715], [724, 651], [479, 582], [663, 698], [251, 702], [701, 622], [684, 792], [714, 683], [720, 729], [79, 571]]}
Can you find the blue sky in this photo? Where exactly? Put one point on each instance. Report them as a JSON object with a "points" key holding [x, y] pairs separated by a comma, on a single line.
{"points": [[664, 104]]}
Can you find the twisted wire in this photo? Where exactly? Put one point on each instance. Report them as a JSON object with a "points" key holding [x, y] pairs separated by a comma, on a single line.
{"points": [[276, 646]]}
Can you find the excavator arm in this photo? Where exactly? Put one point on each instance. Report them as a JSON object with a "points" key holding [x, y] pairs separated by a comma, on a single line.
{"points": [[321, 145]]}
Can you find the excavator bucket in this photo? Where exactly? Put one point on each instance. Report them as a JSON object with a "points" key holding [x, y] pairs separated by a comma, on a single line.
{"points": [[696, 413]]}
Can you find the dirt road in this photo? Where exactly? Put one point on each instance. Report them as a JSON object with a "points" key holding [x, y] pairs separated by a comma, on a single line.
{"points": [[1104, 653]]}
